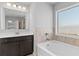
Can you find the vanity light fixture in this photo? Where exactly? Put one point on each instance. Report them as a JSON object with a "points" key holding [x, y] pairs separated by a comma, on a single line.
{"points": [[14, 5], [8, 4]]}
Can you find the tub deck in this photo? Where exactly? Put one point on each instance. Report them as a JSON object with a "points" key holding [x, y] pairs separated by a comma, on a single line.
{"points": [[57, 48]]}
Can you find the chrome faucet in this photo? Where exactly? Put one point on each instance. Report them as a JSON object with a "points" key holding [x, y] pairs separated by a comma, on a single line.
{"points": [[46, 34]]}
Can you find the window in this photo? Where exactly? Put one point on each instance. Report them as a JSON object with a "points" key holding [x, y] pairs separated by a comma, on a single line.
{"points": [[68, 21]]}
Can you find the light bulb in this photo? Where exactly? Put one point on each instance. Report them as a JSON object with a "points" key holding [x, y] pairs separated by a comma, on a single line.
{"points": [[24, 8], [19, 6], [8, 4], [9, 21], [14, 5], [77, 34]]}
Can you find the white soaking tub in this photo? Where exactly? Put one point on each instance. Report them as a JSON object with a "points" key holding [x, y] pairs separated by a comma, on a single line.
{"points": [[57, 48]]}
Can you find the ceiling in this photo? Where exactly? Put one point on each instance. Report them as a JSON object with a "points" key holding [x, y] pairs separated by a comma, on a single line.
{"points": [[29, 3]]}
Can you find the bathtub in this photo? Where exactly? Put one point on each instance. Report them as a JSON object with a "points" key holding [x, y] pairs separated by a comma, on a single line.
{"points": [[57, 48]]}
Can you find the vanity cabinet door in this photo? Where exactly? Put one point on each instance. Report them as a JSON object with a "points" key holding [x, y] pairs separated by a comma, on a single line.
{"points": [[16, 46], [9, 48], [26, 45]]}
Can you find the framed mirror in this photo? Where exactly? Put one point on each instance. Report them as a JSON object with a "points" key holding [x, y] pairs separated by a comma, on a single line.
{"points": [[15, 19]]}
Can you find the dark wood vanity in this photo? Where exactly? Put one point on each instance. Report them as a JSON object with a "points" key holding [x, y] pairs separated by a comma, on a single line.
{"points": [[16, 46]]}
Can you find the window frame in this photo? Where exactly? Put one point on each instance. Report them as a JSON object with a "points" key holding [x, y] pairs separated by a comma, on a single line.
{"points": [[57, 21]]}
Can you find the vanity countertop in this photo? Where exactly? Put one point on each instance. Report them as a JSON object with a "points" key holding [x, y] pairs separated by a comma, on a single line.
{"points": [[4, 35]]}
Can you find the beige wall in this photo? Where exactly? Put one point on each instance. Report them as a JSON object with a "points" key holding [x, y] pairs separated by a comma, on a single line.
{"points": [[42, 15]]}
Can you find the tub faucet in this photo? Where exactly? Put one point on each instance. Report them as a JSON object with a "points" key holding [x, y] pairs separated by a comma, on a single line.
{"points": [[46, 34]]}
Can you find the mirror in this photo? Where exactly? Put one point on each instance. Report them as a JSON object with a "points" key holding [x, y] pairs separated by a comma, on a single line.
{"points": [[14, 19]]}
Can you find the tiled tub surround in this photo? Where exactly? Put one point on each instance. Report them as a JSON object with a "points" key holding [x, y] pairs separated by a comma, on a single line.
{"points": [[40, 35], [68, 40]]}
